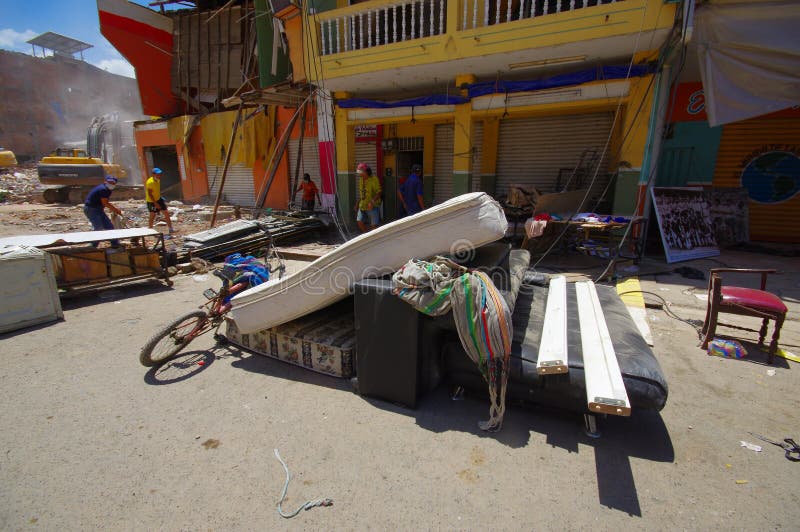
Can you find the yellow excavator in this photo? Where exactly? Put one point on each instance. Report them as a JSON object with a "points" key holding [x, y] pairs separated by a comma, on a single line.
{"points": [[7, 158], [78, 169]]}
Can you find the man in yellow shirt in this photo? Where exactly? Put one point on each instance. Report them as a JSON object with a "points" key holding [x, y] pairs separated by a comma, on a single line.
{"points": [[369, 204], [155, 203]]}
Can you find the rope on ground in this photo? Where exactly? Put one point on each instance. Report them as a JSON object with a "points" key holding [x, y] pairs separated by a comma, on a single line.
{"points": [[305, 506]]}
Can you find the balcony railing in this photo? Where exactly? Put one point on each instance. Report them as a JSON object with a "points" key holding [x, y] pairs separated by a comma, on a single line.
{"points": [[481, 13], [363, 26], [382, 25]]}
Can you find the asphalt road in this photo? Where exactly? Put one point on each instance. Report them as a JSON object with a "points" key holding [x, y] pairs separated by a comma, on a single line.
{"points": [[89, 439]]}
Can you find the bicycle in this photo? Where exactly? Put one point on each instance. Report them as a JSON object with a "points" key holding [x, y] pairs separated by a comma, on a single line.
{"points": [[172, 339]]}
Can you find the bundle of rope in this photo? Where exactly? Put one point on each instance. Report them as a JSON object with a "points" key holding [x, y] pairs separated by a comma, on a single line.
{"points": [[481, 314]]}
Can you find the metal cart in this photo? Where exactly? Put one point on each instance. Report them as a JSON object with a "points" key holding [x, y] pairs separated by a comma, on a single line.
{"points": [[80, 264]]}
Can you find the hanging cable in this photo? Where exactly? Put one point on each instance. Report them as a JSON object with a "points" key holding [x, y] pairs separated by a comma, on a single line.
{"points": [[321, 94], [605, 146], [336, 211], [653, 172]]}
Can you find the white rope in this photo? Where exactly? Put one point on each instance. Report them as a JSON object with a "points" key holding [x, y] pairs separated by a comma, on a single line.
{"points": [[305, 506]]}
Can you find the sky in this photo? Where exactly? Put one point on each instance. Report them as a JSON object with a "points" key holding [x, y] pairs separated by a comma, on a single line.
{"points": [[21, 20]]}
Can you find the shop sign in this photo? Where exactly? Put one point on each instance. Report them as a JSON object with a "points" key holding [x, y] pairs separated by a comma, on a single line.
{"points": [[364, 132], [689, 104]]}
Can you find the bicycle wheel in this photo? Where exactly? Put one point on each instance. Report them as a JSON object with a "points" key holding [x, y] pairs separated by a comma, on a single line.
{"points": [[170, 340]]}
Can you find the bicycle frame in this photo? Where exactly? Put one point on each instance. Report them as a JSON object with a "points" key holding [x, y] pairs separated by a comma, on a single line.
{"points": [[215, 309]]}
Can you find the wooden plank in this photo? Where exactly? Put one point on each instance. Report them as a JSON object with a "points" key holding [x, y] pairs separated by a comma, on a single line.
{"points": [[553, 347], [605, 390]]}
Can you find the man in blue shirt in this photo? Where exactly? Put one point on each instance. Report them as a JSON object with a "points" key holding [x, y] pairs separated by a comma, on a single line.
{"points": [[410, 192], [97, 201]]}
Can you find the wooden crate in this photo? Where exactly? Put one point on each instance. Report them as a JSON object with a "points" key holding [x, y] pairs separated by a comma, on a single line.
{"points": [[119, 264], [83, 265], [145, 261]]}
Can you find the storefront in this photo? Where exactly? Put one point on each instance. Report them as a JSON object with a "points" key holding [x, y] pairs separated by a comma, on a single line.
{"points": [[554, 152], [761, 155]]}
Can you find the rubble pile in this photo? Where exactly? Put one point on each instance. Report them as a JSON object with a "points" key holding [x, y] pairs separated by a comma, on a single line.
{"points": [[19, 184], [248, 236], [23, 211]]}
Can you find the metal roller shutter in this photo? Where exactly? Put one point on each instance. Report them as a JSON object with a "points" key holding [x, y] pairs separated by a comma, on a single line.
{"points": [[239, 188], [309, 162], [477, 155], [531, 151], [762, 155], [443, 163], [365, 153]]}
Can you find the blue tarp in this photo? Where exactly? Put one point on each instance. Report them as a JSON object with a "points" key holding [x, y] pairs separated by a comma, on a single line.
{"points": [[563, 80], [491, 87]]}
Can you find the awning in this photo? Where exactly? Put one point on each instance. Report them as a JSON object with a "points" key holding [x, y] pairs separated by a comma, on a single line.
{"points": [[749, 58]]}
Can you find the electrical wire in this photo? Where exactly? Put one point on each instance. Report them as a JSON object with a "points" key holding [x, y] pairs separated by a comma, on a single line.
{"points": [[654, 166], [306, 505], [322, 93], [695, 324], [605, 147]]}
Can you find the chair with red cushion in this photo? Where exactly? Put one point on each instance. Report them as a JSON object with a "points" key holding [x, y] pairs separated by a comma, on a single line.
{"points": [[745, 302]]}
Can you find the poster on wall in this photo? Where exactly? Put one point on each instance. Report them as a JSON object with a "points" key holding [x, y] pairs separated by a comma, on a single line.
{"points": [[730, 216], [685, 222]]}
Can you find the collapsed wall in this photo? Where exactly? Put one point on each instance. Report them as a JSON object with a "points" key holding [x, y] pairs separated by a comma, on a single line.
{"points": [[48, 102]]}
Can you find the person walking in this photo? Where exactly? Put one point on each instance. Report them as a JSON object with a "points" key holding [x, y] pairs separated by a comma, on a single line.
{"points": [[410, 192], [369, 204], [155, 203], [310, 191], [96, 203]]}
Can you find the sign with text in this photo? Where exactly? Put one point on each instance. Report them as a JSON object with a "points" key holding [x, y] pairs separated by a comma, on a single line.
{"points": [[364, 132], [689, 104]]}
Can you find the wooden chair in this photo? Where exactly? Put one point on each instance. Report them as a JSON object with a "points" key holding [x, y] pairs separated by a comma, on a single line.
{"points": [[745, 302]]}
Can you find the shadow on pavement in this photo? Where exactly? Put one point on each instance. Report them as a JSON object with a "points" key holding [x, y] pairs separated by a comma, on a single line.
{"points": [[96, 296], [182, 367]]}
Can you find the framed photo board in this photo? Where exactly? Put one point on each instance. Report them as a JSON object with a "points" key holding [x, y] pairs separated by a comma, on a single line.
{"points": [[684, 219]]}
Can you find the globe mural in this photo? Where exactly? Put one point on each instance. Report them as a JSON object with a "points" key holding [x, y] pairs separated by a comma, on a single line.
{"points": [[772, 177]]}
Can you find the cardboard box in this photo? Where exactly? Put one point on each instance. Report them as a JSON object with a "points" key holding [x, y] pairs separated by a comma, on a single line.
{"points": [[145, 261], [119, 264], [83, 265]]}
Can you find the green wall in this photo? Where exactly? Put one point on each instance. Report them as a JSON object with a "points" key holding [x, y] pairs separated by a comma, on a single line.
{"points": [[266, 36], [625, 192], [689, 155]]}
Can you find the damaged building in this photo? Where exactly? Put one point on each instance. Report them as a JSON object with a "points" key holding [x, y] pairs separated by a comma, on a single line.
{"points": [[483, 95]]}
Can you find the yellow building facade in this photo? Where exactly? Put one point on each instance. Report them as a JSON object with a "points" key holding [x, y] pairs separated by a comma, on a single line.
{"points": [[485, 95]]}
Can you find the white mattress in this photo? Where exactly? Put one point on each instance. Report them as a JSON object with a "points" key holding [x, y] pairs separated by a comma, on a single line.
{"points": [[455, 226]]}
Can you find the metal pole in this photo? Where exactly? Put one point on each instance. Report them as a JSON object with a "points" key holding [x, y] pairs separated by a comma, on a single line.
{"points": [[227, 162], [272, 167], [299, 154]]}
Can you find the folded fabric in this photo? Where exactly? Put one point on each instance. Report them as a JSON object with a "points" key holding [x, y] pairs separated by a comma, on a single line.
{"points": [[535, 228], [586, 217]]}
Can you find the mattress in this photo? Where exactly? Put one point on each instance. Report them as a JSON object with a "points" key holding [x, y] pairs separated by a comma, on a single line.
{"points": [[323, 341], [456, 226]]}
